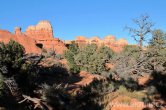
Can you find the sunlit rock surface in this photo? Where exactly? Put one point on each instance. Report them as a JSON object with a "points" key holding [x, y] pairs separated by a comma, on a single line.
{"points": [[35, 38]]}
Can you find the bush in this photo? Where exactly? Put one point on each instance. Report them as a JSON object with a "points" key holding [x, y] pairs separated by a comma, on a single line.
{"points": [[125, 62], [140, 95], [69, 55], [11, 57], [131, 50], [157, 50], [90, 97], [56, 96], [18, 72], [92, 58]]}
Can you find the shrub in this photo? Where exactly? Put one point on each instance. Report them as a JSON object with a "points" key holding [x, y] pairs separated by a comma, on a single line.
{"points": [[157, 50], [18, 72], [69, 55], [11, 56], [140, 95], [92, 58]]}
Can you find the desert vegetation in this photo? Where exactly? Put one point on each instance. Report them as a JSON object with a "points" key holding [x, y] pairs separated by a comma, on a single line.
{"points": [[43, 82]]}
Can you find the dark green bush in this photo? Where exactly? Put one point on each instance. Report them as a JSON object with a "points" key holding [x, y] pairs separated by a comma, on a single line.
{"points": [[90, 58]]}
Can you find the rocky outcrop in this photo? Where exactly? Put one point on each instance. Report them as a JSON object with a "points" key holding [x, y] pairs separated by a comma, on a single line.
{"points": [[28, 43], [81, 40], [43, 35], [109, 41], [95, 40], [43, 30], [35, 38]]}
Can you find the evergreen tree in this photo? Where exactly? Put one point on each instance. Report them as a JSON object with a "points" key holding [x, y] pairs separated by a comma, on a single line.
{"points": [[11, 57], [69, 55], [157, 49], [92, 58]]}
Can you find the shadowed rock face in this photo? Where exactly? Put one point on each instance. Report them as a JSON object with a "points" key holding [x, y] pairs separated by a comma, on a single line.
{"points": [[35, 38]]}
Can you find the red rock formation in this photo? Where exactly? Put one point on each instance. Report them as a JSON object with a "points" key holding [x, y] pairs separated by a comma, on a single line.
{"points": [[81, 40], [109, 41], [35, 38], [43, 34], [28, 43], [17, 30], [43, 30], [95, 40]]}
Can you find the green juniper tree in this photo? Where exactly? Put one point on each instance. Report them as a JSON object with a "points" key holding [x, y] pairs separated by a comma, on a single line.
{"points": [[70, 54], [92, 58], [157, 48]]}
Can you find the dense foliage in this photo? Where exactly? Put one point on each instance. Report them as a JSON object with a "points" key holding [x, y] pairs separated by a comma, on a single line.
{"points": [[69, 55], [90, 58], [11, 56]]}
